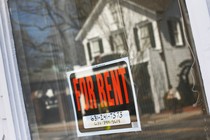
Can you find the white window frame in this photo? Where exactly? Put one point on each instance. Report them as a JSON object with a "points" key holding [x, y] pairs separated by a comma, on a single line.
{"points": [[200, 23], [13, 115]]}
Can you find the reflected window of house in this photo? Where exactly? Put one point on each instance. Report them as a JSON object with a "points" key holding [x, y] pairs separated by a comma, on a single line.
{"points": [[113, 10], [95, 48], [175, 31], [144, 36], [118, 42]]}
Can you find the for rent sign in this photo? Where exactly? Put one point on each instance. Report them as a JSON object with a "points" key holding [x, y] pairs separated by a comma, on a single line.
{"points": [[104, 99]]}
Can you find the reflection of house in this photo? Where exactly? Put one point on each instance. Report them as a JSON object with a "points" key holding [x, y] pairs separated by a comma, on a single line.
{"points": [[149, 32]]}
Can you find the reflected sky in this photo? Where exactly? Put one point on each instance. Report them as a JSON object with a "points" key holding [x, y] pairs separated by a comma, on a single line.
{"points": [[32, 18], [46, 31]]}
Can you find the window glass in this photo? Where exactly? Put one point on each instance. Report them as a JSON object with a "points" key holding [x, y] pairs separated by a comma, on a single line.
{"points": [[114, 13], [176, 33], [145, 37], [95, 47], [119, 42], [56, 37]]}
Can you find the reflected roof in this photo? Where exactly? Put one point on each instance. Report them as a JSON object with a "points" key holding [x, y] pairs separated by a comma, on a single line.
{"points": [[151, 6]]}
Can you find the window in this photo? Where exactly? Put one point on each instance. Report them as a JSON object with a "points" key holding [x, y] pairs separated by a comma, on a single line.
{"points": [[48, 34], [113, 10], [144, 37], [118, 42], [95, 48], [175, 31]]}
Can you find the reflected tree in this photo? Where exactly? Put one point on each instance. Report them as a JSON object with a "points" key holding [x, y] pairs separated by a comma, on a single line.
{"points": [[44, 32], [51, 27]]}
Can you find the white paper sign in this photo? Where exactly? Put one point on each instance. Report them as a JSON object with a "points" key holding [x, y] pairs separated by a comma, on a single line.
{"points": [[107, 119]]}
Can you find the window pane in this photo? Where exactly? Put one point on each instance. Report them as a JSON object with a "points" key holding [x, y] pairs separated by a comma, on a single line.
{"points": [[53, 38], [144, 32], [113, 9], [176, 32], [145, 37], [178, 35], [119, 42], [95, 48]]}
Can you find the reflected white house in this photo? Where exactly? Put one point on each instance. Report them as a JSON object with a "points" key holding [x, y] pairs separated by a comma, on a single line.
{"points": [[151, 35]]}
